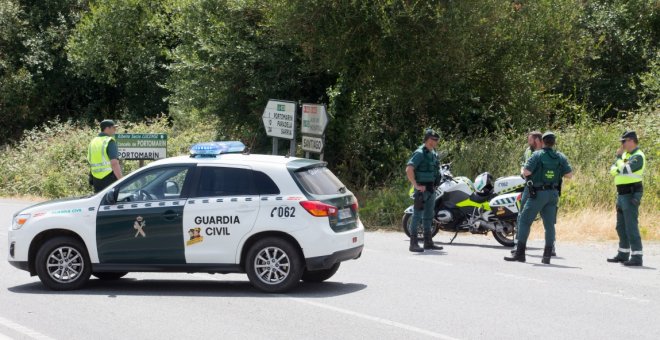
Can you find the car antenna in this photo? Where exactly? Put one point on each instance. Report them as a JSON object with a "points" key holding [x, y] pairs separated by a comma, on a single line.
{"points": [[288, 154]]}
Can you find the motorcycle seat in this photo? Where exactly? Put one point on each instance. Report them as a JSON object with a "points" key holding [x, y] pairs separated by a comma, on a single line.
{"points": [[479, 198]]}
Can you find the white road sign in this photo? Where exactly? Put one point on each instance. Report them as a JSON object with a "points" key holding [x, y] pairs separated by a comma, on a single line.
{"points": [[314, 119], [312, 144], [279, 119]]}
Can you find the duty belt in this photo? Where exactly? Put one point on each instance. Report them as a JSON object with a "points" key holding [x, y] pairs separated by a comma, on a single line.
{"points": [[547, 187], [624, 189]]}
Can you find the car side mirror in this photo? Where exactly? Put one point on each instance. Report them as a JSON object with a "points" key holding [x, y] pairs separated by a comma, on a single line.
{"points": [[171, 188], [111, 196]]}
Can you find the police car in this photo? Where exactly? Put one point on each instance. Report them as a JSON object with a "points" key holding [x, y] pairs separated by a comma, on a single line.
{"points": [[220, 210]]}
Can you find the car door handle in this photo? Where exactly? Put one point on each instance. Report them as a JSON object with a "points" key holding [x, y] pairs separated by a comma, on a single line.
{"points": [[171, 215]]}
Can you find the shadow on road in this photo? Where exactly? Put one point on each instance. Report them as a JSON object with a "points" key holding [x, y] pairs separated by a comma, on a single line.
{"points": [[552, 265], [459, 244], [203, 288]]}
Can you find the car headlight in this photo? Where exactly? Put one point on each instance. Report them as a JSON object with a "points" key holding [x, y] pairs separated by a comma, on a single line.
{"points": [[19, 221]]}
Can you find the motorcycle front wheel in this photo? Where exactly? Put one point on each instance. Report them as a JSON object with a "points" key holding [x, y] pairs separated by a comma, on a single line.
{"points": [[405, 225], [506, 237]]}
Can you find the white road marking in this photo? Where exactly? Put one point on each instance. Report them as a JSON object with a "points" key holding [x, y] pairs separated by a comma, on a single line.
{"points": [[359, 315], [23, 330], [619, 296], [518, 277], [375, 319]]}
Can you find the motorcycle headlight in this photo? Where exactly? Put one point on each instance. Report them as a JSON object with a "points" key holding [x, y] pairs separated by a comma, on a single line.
{"points": [[19, 221]]}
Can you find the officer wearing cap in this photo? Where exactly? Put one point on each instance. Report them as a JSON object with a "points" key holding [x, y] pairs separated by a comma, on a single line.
{"points": [[423, 172], [102, 153], [543, 171], [534, 142], [628, 170]]}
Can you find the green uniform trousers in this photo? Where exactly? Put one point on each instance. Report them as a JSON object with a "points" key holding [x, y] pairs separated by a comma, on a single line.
{"points": [[545, 202], [627, 213], [425, 215], [523, 200]]}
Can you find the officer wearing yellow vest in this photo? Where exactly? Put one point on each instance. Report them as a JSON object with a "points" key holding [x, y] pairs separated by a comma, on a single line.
{"points": [[628, 170], [102, 154], [423, 172]]}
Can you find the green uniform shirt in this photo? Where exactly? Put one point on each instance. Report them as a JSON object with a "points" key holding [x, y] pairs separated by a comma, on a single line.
{"points": [[544, 156], [426, 165]]}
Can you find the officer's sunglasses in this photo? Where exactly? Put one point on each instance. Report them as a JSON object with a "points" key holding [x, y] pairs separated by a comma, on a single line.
{"points": [[623, 141]]}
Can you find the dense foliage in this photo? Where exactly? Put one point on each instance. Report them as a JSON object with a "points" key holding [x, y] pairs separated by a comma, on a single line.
{"points": [[387, 69]]}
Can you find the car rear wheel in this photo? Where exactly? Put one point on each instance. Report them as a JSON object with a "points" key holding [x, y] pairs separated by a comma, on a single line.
{"points": [[109, 276], [274, 265], [320, 275], [62, 263]]}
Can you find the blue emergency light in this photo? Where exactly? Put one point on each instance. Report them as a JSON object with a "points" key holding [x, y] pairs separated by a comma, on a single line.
{"points": [[214, 149]]}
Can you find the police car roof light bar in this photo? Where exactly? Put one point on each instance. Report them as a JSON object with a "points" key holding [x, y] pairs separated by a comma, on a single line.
{"points": [[214, 149]]}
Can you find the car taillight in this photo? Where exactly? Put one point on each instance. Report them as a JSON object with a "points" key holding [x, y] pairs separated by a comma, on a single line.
{"points": [[319, 209], [355, 206], [519, 197]]}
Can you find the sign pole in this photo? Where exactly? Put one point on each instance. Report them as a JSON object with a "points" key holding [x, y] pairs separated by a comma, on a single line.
{"points": [[292, 145], [275, 146]]}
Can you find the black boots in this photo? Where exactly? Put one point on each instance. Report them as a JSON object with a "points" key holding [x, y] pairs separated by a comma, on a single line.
{"points": [[635, 261], [520, 253], [429, 244], [620, 257], [547, 253], [414, 245]]}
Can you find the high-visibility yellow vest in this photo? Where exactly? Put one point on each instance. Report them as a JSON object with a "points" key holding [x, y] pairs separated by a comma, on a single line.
{"points": [[629, 177], [97, 156]]}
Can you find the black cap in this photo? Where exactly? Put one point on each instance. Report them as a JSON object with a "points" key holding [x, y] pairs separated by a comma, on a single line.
{"points": [[629, 135], [107, 123], [429, 133]]}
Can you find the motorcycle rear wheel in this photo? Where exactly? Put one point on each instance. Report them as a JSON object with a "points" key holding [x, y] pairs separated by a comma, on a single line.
{"points": [[504, 238], [405, 223]]}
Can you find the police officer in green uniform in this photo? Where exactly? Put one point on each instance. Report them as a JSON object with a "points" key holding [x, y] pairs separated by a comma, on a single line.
{"points": [[533, 143], [102, 154], [423, 171], [544, 171], [628, 170]]}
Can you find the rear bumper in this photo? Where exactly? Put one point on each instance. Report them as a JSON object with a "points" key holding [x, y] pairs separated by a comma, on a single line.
{"points": [[22, 265], [325, 262]]}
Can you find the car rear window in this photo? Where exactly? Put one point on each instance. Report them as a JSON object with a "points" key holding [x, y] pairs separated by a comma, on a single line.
{"points": [[319, 181]]}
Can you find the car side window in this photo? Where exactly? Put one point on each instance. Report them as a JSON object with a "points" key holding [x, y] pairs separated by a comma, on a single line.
{"points": [[225, 181], [264, 184], [153, 185]]}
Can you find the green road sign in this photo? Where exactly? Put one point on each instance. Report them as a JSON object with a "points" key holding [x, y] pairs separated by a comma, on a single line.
{"points": [[142, 146]]}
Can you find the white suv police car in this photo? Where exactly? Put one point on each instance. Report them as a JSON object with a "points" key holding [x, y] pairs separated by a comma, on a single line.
{"points": [[278, 219]]}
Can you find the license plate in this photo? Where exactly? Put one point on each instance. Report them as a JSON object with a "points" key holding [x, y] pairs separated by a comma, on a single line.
{"points": [[345, 213]]}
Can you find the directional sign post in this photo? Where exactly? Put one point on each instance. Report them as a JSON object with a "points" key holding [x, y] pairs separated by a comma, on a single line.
{"points": [[279, 119], [314, 121]]}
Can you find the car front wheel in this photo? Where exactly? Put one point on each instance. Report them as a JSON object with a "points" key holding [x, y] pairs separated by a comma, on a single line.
{"points": [[274, 265], [62, 263]]}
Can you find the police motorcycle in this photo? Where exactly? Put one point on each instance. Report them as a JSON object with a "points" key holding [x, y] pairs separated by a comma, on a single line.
{"points": [[478, 208]]}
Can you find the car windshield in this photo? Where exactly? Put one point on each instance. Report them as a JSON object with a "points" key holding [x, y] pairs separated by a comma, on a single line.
{"points": [[320, 181]]}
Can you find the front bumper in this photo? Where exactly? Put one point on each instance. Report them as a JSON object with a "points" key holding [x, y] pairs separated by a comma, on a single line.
{"points": [[327, 261]]}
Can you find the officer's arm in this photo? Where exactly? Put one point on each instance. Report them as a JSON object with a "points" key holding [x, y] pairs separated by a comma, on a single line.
{"points": [[568, 171], [410, 173], [635, 163], [114, 163], [530, 165]]}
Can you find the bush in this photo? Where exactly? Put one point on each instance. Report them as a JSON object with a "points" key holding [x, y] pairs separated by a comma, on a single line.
{"points": [[50, 161]]}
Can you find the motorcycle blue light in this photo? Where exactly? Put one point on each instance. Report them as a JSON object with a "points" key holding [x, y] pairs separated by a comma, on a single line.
{"points": [[214, 149]]}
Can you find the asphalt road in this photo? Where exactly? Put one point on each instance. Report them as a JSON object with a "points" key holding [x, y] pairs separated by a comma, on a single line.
{"points": [[464, 292]]}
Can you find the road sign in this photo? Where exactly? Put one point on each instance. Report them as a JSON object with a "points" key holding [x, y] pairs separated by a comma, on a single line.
{"points": [[312, 144], [141, 146], [314, 119], [279, 119]]}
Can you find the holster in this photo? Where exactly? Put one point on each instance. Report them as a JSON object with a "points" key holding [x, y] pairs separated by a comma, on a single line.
{"points": [[419, 200]]}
